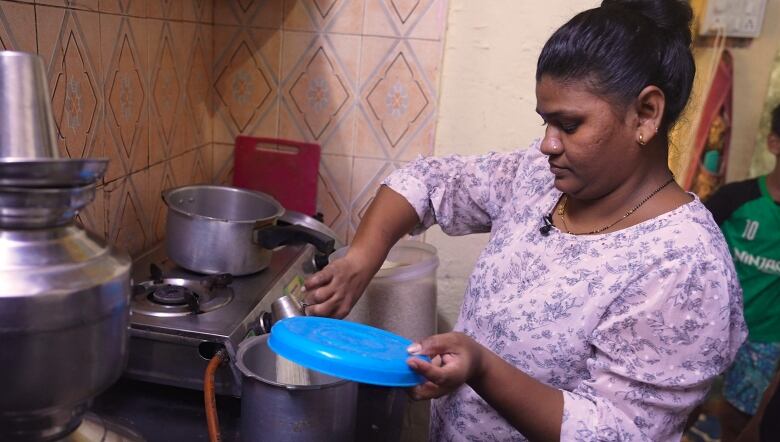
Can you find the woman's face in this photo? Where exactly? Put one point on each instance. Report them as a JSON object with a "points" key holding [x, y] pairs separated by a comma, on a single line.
{"points": [[591, 143]]}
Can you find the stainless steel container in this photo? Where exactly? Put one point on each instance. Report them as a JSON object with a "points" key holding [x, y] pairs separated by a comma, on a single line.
{"points": [[31, 208], [27, 128], [323, 411], [64, 296], [401, 297], [219, 229], [64, 313], [29, 156]]}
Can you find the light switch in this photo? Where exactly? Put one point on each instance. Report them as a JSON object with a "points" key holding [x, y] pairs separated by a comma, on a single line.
{"points": [[738, 18]]}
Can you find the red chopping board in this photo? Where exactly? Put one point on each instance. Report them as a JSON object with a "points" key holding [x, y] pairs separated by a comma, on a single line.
{"points": [[284, 169]]}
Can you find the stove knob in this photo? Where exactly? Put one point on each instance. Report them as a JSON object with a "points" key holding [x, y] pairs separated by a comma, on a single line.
{"points": [[320, 261]]}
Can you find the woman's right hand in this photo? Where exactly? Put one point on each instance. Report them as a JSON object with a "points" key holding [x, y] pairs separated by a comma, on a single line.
{"points": [[334, 290]]}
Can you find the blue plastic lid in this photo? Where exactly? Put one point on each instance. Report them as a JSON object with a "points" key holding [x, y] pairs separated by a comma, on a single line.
{"points": [[345, 349]]}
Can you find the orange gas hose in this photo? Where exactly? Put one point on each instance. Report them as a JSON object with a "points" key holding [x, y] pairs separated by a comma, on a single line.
{"points": [[212, 419]]}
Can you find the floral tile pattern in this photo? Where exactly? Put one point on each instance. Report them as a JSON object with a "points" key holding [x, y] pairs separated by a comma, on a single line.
{"points": [[125, 59], [162, 88], [68, 41], [246, 82], [320, 89]]}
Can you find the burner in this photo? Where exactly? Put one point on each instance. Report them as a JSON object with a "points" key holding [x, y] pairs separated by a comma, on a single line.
{"points": [[168, 294], [166, 297]]}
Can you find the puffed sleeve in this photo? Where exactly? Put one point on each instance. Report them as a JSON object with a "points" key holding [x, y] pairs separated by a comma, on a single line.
{"points": [[463, 194], [657, 350]]}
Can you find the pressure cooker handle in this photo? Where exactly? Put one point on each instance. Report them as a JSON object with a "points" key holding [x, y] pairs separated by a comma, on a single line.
{"points": [[275, 236]]}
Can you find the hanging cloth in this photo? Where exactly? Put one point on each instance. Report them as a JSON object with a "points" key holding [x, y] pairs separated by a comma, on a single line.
{"points": [[709, 161]]}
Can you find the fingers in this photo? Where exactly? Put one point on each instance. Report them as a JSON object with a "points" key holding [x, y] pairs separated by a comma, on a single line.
{"points": [[428, 390], [331, 292], [320, 295], [319, 279], [436, 345], [435, 374], [328, 308]]}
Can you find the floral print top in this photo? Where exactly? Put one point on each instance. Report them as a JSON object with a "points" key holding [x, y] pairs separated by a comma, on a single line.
{"points": [[632, 326]]}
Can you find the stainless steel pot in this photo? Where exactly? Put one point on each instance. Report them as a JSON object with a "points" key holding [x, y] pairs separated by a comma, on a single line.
{"points": [[219, 229], [64, 314], [322, 411]]}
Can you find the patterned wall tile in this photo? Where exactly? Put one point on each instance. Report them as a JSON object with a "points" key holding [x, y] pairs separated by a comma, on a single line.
{"points": [[165, 97], [136, 8], [333, 193], [165, 9], [178, 51], [199, 95], [422, 19], [87, 5], [127, 224], [334, 16], [160, 178], [319, 93], [250, 13], [222, 157], [206, 159], [397, 99], [367, 175], [192, 167], [124, 54], [16, 23], [69, 42], [93, 217], [201, 11], [246, 82], [431, 23]]}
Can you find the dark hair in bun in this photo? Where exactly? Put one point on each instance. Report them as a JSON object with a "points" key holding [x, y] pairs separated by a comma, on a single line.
{"points": [[624, 46], [776, 121]]}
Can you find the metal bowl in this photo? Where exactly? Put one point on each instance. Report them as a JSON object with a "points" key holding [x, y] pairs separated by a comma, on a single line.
{"points": [[51, 172], [31, 208]]}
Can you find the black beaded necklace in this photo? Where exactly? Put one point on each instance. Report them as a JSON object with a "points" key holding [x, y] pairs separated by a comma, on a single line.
{"points": [[562, 211]]}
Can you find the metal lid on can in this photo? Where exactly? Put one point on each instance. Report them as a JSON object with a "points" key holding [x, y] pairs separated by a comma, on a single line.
{"points": [[345, 349]]}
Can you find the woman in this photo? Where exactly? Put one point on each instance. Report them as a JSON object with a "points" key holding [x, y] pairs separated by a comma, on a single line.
{"points": [[605, 301]]}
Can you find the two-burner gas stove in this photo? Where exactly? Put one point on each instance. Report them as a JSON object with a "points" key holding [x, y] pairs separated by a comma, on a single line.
{"points": [[180, 319]]}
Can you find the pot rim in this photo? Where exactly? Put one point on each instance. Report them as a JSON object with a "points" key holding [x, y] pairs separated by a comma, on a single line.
{"points": [[248, 343], [168, 194]]}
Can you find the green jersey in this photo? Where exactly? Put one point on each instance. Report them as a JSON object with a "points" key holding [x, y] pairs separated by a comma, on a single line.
{"points": [[750, 220]]}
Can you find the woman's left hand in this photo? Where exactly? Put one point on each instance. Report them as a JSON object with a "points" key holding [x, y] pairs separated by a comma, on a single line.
{"points": [[455, 359]]}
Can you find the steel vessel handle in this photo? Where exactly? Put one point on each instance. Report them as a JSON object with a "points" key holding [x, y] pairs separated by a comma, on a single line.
{"points": [[274, 236]]}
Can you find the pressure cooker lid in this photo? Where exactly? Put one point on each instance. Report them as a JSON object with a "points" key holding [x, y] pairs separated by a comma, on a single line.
{"points": [[345, 349]]}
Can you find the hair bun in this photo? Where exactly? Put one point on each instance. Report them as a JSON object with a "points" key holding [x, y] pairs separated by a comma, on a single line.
{"points": [[668, 15]]}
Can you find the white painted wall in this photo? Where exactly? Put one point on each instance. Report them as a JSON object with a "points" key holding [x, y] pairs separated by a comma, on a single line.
{"points": [[752, 69], [487, 103]]}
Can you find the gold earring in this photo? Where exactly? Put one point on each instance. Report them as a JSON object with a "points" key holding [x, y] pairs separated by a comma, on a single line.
{"points": [[641, 141]]}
